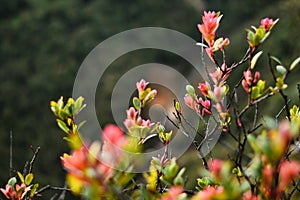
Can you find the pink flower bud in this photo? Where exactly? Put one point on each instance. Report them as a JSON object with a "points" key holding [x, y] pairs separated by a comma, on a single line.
{"points": [[224, 43], [256, 77], [245, 86], [248, 77], [141, 86], [150, 95], [266, 23], [131, 113], [146, 123], [190, 102]]}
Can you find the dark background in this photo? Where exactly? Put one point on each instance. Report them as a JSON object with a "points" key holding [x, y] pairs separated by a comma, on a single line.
{"points": [[43, 43]]}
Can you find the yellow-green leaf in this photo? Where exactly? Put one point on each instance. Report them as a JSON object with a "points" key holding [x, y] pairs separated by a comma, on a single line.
{"points": [[28, 178], [62, 126], [21, 177], [254, 59], [294, 63]]}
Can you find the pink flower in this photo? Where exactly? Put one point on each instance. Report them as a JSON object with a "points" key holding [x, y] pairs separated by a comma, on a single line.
{"points": [[245, 86], [9, 193], [215, 167], [288, 171], [209, 27], [248, 77], [256, 77], [131, 113], [141, 86], [217, 76], [190, 102], [267, 23], [173, 193], [206, 106], [114, 135], [250, 196], [208, 193], [77, 162]]}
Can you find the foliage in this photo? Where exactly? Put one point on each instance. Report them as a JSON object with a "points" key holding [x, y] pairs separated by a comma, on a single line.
{"points": [[268, 171]]}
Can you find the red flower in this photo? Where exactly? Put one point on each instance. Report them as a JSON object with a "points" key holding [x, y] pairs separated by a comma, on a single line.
{"points": [[267, 23], [204, 88], [77, 162]]}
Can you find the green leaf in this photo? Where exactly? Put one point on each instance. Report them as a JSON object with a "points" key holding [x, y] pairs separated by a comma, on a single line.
{"points": [[281, 70], [294, 63], [254, 92], [12, 181], [136, 103], [34, 189], [28, 179], [177, 106], [21, 177], [191, 91], [217, 43], [178, 179], [63, 126], [60, 103], [276, 59], [254, 59], [78, 105], [261, 85]]}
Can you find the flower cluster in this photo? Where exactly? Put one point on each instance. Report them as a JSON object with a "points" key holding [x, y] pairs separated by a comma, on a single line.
{"points": [[16, 191], [211, 21], [135, 124]]}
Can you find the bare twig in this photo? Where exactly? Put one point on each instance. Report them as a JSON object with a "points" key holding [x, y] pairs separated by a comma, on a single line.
{"points": [[243, 60], [63, 193], [54, 196], [49, 187], [35, 153], [298, 88], [295, 188], [11, 155]]}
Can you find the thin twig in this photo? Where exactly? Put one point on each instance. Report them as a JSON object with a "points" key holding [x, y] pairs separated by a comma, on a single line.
{"points": [[54, 196], [63, 194], [294, 189], [49, 187], [35, 153], [298, 88], [11, 155]]}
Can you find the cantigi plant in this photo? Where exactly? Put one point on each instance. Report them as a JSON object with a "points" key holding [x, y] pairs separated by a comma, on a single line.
{"points": [[262, 165]]}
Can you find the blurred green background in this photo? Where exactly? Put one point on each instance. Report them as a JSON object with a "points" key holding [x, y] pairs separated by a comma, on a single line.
{"points": [[43, 43]]}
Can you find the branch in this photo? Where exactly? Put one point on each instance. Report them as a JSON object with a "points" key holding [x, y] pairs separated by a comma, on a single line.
{"points": [[243, 60], [11, 155], [35, 153], [49, 187]]}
